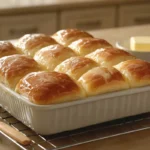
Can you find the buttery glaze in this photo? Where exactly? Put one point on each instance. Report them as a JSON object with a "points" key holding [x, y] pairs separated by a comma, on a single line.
{"points": [[87, 45], [49, 88], [76, 66], [66, 37], [108, 57], [136, 72], [31, 43], [6, 48], [101, 80], [49, 57], [14, 67]]}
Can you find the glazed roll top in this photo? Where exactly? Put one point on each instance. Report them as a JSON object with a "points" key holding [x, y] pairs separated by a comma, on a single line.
{"points": [[102, 80], [76, 66], [87, 45], [14, 67], [108, 57], [7, 48], [51, 56], [29, 44], [136, 72], [49, 88], [67, 36]]}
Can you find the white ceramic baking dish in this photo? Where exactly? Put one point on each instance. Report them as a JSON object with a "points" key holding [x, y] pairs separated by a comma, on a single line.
{"points": [[56, 118]]}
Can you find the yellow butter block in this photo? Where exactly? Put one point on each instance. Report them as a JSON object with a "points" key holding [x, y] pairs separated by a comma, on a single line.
{"points": [[140, 43]]}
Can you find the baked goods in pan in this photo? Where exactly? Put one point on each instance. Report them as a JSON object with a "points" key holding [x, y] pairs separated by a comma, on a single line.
{"points": [[87, 45], [29, 44], [108, 57], [49, 88], [101, 80], [49, 57], [67, 36], [7, 48], [136, 72], [69, 65], [14, 67], [76, 66]]}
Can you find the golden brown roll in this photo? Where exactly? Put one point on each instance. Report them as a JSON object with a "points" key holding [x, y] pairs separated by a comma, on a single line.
{"points": [[87, 45], [102, 80], [7, 48], [14, 67], [136, 72], [49, 88], [109, 56], [49, 57], [66, 37], [76, 66], [29, 44]]}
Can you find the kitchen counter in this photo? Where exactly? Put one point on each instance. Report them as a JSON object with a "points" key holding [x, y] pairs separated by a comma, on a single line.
{"points": [[122, 33], [16, 6], [131, 141]]}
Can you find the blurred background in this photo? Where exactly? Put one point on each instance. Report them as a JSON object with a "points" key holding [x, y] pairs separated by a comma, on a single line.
{"points": [[18, 17]]}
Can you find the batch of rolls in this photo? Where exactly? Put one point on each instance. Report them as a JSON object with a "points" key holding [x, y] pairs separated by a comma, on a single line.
{"points": [[68, 65]]}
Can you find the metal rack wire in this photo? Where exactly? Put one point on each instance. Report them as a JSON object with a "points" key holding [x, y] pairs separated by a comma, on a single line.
{"points": [[79, 136]]}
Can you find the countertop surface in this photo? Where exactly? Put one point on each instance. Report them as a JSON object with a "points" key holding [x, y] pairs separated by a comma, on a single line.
{"points": [[122, 33], [51, 5], [132, 141]]}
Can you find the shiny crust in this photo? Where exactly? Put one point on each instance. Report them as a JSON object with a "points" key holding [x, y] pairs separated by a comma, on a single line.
{"points": [[7, 48], [31, 43], [14, 67], [109, 56], [76, 66], [49, 88], [49, 57], [66, 37], [136, 72], [102, 80], [87, 45]]}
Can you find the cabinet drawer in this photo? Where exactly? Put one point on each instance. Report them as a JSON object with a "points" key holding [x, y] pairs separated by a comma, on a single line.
{"points": [[12, 27], [134, 14], [89, 19]]}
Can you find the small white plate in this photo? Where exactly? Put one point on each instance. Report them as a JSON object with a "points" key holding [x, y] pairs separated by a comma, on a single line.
{"points": [[125, 45]]}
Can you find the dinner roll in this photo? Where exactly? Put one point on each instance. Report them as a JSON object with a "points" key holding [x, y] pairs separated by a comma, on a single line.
{"points": [[67, 36], [14, 67], [49, 88], [76, 66], [49, 57], [102, 80], [109, 56], [87, 45], [7, 48], [29, 44], [136, 72]]}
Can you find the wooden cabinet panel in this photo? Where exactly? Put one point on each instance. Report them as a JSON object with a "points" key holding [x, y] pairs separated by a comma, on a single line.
{"points": [[15, 26], [134, 15], [89, 19]]}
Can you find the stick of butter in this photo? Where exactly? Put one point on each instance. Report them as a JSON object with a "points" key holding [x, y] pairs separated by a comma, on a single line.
{"points": [[140, 43]]}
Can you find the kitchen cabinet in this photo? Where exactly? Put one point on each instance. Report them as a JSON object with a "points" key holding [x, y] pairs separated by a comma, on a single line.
{"points": [[136, 14], [86, 15], [89, 19], [12, 27]]}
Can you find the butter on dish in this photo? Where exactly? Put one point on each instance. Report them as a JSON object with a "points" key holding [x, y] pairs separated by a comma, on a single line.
{"points": [[140, 43]]}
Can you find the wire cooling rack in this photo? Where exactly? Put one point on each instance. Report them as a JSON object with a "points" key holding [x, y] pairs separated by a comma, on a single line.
{"points": [[79, 136]]}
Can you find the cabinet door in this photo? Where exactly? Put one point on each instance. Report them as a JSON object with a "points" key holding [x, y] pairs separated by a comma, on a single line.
{"points": [[89, 19], [134, 14], [12, 27]]}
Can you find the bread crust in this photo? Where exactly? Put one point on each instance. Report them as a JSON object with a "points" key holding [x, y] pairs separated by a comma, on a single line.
{"points": [[49, 88], [67, 36]]}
